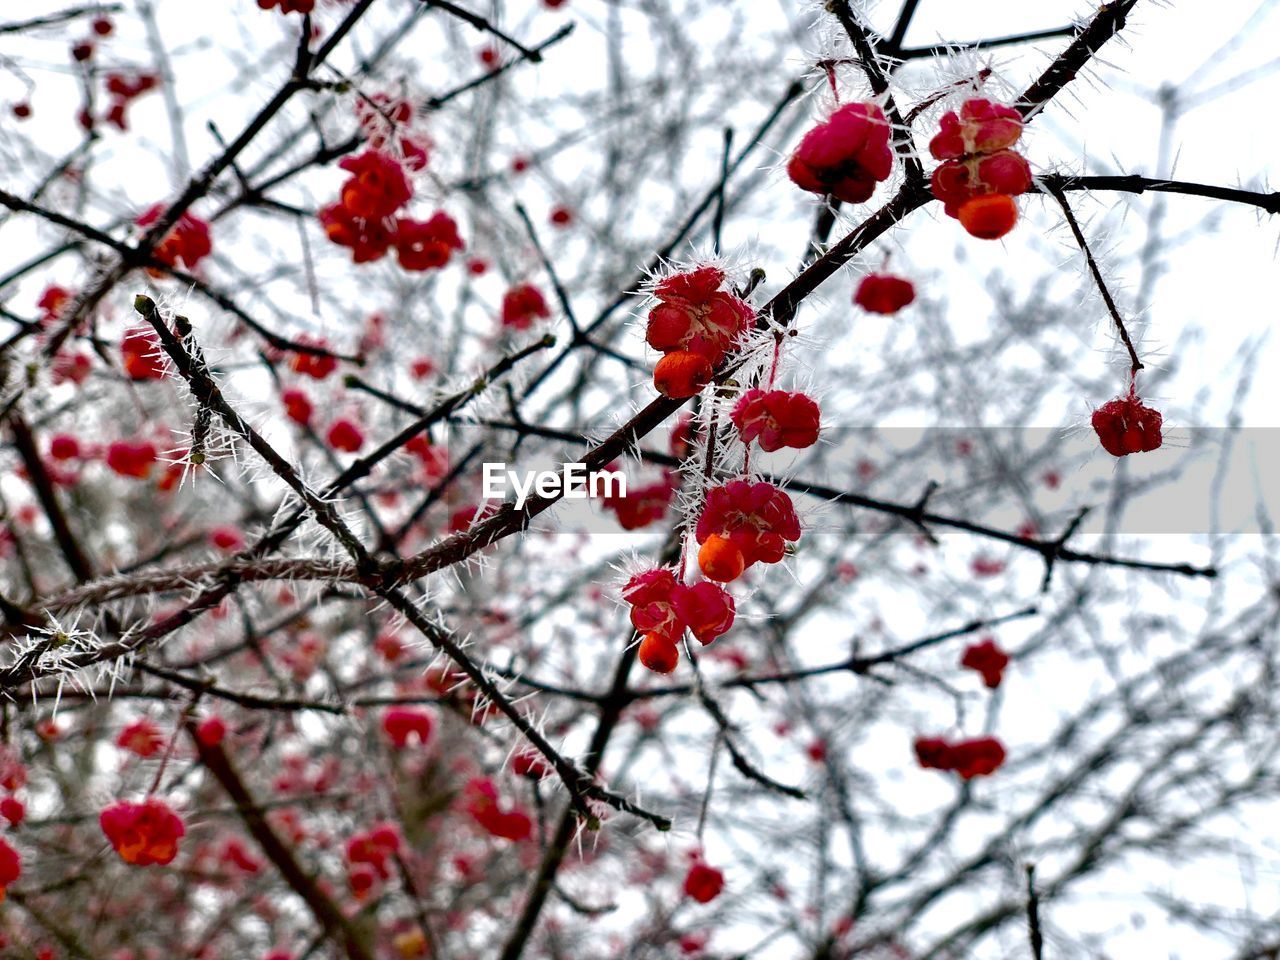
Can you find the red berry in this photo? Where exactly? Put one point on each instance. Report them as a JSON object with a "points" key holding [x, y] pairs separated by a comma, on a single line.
{"points": [[345, 435], [777, 419], [659, 654], [82, 51], [1126, 425], [883, 293], [64, 447], [981, 127], [846, 155], [644, 505], [522, 305], [693, 314], [682, 374], [426, 245], [529, 765], [969, 758], [140, 737], [480, 797], [131, 459], [15, 811], [21, 110], [188, 241], [663, 608], [226, 538], [103, 27], [318, 366], [142, 355], [297, 406], [10, 867], [401, 724], [368, 240], [703, 883], [989, 217], [988, 659], [211, 731], [720, 559], [143, 833], [561, 216], [706, 609]]}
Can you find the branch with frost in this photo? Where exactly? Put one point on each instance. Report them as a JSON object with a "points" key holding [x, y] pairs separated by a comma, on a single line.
{"points": [[374, 574]]}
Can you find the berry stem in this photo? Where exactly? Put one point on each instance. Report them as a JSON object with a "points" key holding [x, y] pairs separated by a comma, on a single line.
{"points": [[1135, 364]]}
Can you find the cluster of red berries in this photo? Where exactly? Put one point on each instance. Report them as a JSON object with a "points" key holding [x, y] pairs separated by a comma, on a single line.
{"points": [[1126, 425], [662, 609], [480, 798], [124, 91], [641, 506], [187, 242], [978, 757], [522, 306], [846, 155], [744, 523], [369, 855], [980, 175], [143, 833], [695, 323], [884, 293], [988, 659], [776, 419], [364, 218]]}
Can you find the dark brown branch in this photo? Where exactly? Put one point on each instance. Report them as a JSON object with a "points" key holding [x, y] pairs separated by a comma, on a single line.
{"points": [[25, 443], [561, 293], [866, 45], [853, 664], [1134, 363], [1270, 202], [949, 49], [330, 917], [486, 26], [53, 19], [1033, 915], [1106, 23]]}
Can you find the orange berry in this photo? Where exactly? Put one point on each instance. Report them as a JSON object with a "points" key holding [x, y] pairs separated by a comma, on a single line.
{"points": [[989, 217], [720, 559], [658, 653], [411, 943], [681, 374]]}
